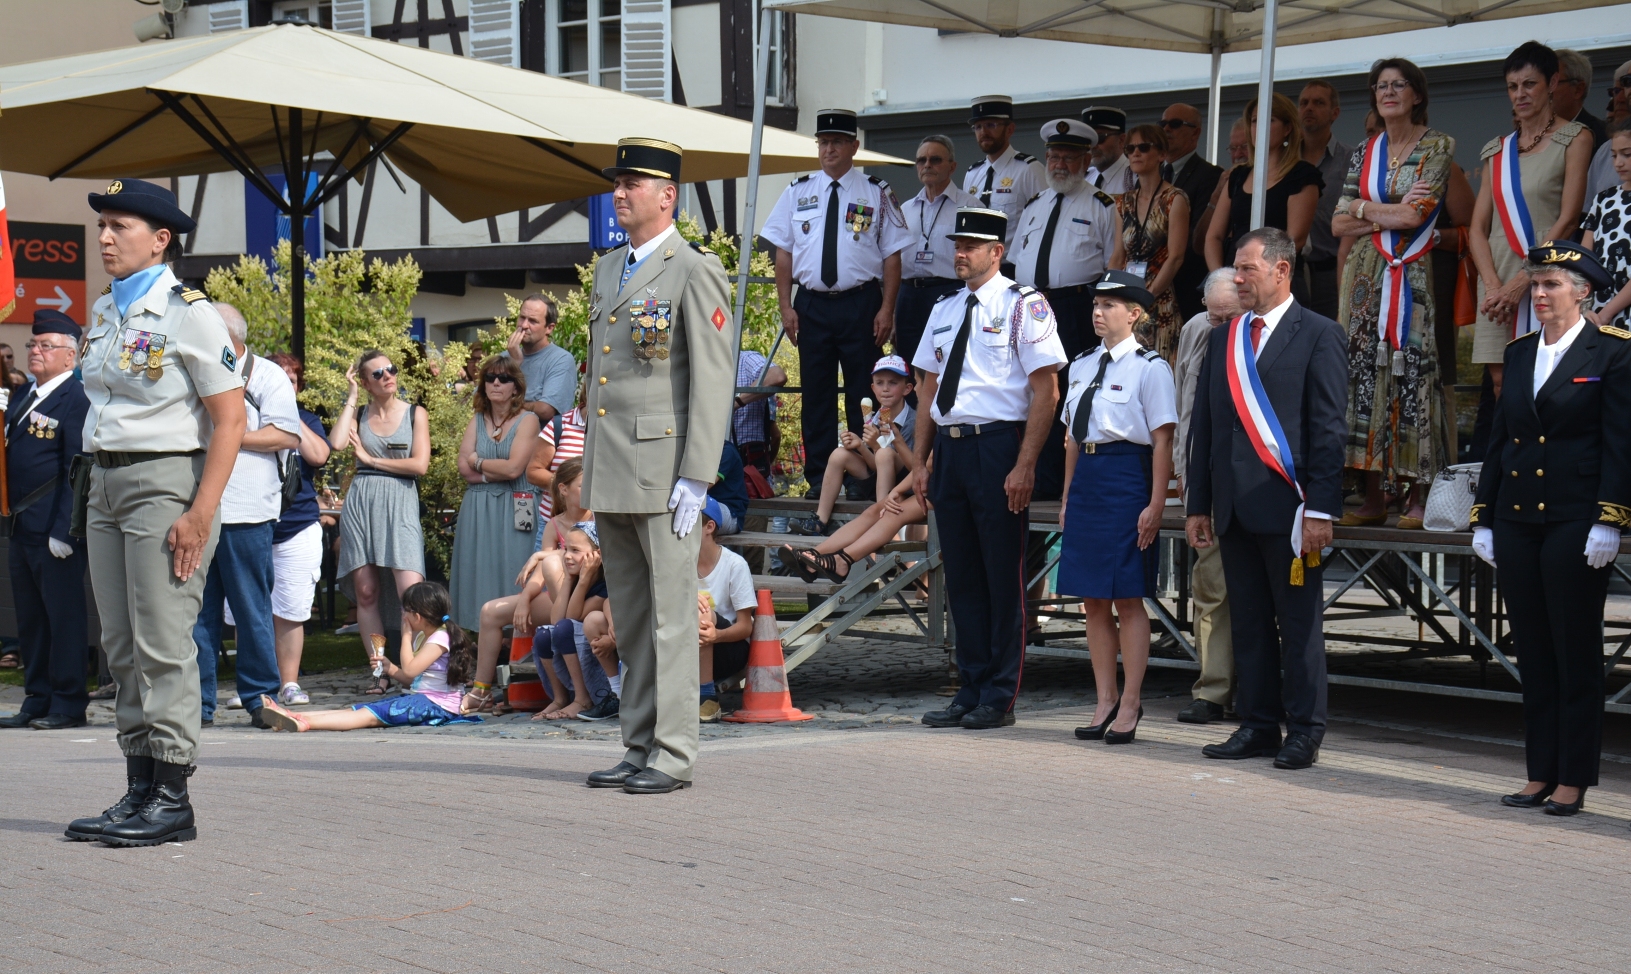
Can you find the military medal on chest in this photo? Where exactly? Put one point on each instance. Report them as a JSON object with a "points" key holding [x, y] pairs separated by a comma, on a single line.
{"points": [[143, 351], [650, 328], [858, 217]]}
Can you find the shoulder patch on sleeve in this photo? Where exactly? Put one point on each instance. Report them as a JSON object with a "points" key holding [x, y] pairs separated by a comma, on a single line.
{"points": [[1104, 198], [228, 359], [1532, 335], [187, 294], [1612, 330]]}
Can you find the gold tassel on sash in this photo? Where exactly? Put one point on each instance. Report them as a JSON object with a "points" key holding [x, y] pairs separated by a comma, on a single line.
{"points": [[1312, 559]]}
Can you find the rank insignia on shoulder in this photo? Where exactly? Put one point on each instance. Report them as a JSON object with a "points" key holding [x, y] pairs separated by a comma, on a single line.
{"points": [[1104, 198], [699, 248], [1149, 354], [1532, 334], [1612, 330], [188, 294], [1024, 157], [804, 178], [228, 359], [108, 289]]}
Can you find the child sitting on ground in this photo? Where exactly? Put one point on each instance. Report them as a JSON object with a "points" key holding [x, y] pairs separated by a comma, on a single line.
{"points": [[436, 660], [726, 604], [878, 450], [559, 649]]}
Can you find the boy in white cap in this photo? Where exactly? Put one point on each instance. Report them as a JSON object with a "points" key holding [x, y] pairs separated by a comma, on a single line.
{"points": [[877, 450]]}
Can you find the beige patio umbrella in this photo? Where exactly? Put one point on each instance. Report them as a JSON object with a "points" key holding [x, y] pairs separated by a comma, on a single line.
{"points": [[482, 138]]}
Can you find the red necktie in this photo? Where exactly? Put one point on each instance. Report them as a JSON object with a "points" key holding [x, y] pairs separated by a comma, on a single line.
{"points": [[1257, 333]]}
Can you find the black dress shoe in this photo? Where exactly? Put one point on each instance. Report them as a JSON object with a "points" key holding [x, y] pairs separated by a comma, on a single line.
{"points": [[1200, 712], [1520, 800], [56, 722], [19, 719], [138, 782], [653, 782], [1113, 736], [1301, 751], [166, 815], [1566, 808], [613, 777], [1095, 732], [952, 716], [1246, 742], [987, 717]]}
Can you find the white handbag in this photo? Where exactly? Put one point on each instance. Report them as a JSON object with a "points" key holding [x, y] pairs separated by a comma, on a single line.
{"points": [[1449, 503]]}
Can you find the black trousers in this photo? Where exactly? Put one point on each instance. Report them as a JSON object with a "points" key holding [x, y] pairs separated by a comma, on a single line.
{"points": [[834, 330], [917, 298], [1279, 640], [1073, 310], [49, 593], [1555, 603], [984, 548]]}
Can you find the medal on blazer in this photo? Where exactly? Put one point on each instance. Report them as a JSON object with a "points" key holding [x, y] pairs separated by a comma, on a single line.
{"points": [[858, 217], [650, 323], [142, 351]]}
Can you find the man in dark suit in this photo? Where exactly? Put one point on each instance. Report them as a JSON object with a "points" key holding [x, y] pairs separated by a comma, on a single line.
{"points": [[1276, 591], [43, 429], [1197, 178]]}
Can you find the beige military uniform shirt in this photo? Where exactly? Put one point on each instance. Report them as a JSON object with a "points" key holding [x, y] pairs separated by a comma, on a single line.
{"points": [[146, 375], [662, 371]]}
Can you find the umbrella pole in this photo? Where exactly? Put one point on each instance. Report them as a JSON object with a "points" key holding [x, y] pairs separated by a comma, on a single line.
{"points": [[295, 186], [1265, 114], [744, 250], [1214, 91]]}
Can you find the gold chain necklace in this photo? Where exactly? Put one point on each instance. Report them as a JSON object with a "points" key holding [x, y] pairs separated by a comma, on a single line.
{"points": [[1531, 146]]}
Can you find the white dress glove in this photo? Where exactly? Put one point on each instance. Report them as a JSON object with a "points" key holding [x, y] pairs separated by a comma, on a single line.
{"points": [[1483, 544], [686, 502], [1602, 544], [62, 549], [5, 399]]}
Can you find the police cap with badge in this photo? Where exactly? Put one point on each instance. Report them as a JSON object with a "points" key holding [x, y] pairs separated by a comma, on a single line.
{"points": [[1126, 286], [1068, 133], [1568, 255], [147, 200]]}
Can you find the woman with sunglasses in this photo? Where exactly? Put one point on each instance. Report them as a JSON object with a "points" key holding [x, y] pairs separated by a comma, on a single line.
{"points": [[379, 524], [1154, 228], [495, 531]]}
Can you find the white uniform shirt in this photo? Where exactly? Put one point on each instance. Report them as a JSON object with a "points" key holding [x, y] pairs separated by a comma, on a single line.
{"points": [[1547, 356], [1115, 179], [931, 254], [1014, 178], [1013, 335], [1082, 242], [1136, 396], [146, 374], [870, 228], [254, 493]]}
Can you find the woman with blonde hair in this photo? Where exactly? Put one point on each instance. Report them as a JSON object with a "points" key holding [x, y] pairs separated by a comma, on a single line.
{"points": [[1293, 188]]}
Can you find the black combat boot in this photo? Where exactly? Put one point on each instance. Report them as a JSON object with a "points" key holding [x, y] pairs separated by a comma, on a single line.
{"points": [[139, 775], [166, 816]]}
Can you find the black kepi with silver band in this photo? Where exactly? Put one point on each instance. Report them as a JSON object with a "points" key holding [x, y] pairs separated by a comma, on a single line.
{"points": [[999, 107], [837, 121]]}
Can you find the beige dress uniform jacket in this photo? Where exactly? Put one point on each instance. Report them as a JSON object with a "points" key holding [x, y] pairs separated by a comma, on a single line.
{"points": [[662, 372]]}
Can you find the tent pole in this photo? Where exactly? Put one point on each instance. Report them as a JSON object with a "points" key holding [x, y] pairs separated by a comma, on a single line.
{"points": [[294, 184], [744, 251], [1214, 91], [1265, 113]]}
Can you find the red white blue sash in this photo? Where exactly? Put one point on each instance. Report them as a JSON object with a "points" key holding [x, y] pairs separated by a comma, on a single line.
{"points": [[1398, 247], [1257, 417], [1506, 185]]}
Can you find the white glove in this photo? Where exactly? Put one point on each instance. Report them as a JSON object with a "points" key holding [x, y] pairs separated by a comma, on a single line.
{"points": [[62, 549], [5, 399], [686, 502], [1602, 545], [1483, 544]]}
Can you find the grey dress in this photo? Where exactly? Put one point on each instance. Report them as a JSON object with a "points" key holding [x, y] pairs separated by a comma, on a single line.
{"points": [[488, 549], [379, 524]]}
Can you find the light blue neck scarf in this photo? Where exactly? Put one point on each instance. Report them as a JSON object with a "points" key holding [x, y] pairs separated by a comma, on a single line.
{"points": [[126, 292]]}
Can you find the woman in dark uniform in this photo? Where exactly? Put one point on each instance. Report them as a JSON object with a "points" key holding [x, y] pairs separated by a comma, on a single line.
{"points": [[1120, 409], [1554, 494]]}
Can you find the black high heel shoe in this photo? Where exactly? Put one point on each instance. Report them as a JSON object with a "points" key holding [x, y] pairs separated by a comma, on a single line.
{"points": [[1095, 732], [1123, 737], [1569, 808], [1520, 800]]}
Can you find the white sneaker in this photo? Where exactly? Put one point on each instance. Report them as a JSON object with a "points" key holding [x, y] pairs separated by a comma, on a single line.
{"points": [[292, 696], [236, 703]]}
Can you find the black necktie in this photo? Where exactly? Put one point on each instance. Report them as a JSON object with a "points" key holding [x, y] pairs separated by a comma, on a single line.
{"points": [[1045, 249], [985, 194], [1084, 405], [829, 241], [1099, 180], [22, 411], [947, 395], [1168, 173]]}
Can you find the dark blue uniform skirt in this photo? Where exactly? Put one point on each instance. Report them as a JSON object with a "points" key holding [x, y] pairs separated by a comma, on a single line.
{"points": [[1099, 555]]}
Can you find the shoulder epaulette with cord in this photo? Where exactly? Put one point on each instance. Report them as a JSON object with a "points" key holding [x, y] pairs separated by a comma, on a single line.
{"points": [[188, 294], [1104, 198], [1617, 332]]}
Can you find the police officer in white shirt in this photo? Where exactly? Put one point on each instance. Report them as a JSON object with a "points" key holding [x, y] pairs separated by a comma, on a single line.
{"points": [[1005, 179], [988, 355], [1110, 154], [927, 270], [839, 236]]}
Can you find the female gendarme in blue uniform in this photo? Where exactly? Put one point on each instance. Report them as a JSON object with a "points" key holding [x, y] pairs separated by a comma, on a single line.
{"points": [[1121, 408], [1553, 497]]}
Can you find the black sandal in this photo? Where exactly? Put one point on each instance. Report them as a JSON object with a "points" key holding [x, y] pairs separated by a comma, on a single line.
{"points": [[827, 563], [791, 560]]}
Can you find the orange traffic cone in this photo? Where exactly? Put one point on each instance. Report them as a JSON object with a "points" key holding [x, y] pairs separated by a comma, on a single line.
{"points": [[520, 648], [765, 698]]}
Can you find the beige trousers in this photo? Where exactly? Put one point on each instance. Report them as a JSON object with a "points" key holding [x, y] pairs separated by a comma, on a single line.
{"points": [[147, 613], [651, 577], [1210, 597]]}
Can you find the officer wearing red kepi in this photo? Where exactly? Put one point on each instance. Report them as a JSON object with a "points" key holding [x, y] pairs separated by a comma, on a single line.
{"points": [[988, 354]]}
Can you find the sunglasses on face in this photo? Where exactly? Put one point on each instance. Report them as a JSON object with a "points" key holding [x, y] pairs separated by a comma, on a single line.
{"points": [[508, 380], [1173, 124], [930, 160], [379, 374], [1141, 147]]}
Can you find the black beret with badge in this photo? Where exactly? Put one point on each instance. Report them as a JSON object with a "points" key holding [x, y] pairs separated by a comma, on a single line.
{"points": [[149, 201], [837, 121], [1571, 256], [976, 223], [1068, 133], [647, 157], [51, 322], [1124, 285], [1105, 117], [1000, 107]]}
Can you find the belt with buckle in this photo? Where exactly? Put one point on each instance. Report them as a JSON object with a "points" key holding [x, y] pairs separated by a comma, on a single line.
{"points": [[958, 431], [110, 458], [932, 282], [871, 285], [1116, 446]]}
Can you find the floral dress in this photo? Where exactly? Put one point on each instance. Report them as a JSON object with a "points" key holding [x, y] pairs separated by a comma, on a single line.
{"points": [[1397, 424], [1610, 224], [1145, 241]]}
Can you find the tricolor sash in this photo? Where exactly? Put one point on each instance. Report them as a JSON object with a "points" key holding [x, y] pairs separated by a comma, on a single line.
{"points": [[1506, 185], [1398, 247], [1257, 417]]}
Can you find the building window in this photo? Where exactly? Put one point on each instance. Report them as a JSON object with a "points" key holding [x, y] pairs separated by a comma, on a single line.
{"points": [[598, 61], [317, 12]]}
